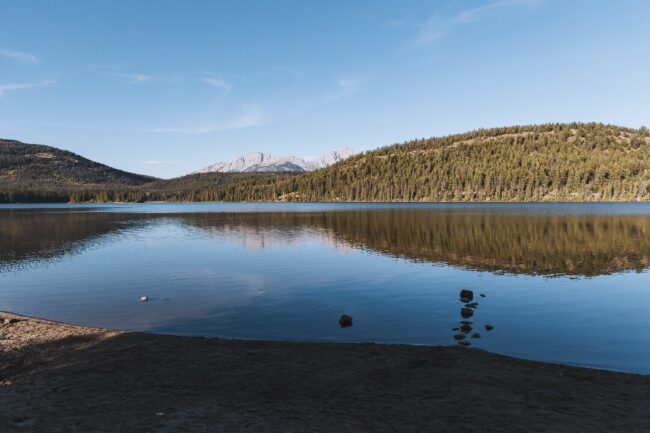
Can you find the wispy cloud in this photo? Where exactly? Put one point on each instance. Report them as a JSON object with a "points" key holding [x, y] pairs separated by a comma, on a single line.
{"points": [[139, 78], [6, 88], [436, 27], [250, 115], [216, 81], [19, 56], [345, 86], [135, 78], [210, 79]]}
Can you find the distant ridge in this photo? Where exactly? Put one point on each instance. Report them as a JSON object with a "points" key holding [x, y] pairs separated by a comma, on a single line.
{"points": [[550, 162], [35, 168], [258, 162]]}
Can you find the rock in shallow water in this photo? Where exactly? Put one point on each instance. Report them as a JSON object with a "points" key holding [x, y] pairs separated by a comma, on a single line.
{"points": [[345, 321], [466, 296], [489, 327], [466, 312]]}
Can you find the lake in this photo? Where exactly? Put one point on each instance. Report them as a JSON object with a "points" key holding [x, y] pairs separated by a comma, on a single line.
{"points": [[564, 283]]}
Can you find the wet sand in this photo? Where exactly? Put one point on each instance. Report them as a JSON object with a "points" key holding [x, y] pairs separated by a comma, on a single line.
{"points": [[62, 378]]}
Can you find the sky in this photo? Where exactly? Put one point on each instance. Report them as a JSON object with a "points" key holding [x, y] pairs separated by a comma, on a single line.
{"points": [[167, 87]]}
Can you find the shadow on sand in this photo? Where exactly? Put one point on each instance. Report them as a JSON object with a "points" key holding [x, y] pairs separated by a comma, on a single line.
{"points": [[64, 378]]}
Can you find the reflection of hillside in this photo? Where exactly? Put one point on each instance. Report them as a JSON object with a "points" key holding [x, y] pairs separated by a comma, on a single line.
{"points": [[583, 245], [547, 245], [573, 245], [30, 236]]}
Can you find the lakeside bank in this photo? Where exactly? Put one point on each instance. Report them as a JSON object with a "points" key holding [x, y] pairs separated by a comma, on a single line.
{"points": [[60, 377]]}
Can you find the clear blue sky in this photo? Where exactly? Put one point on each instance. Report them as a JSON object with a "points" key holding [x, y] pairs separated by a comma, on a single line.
{"points": [[167, 87]]}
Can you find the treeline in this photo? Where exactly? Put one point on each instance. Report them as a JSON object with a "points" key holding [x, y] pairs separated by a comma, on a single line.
{"points": [[196, 187], [551, 162]]}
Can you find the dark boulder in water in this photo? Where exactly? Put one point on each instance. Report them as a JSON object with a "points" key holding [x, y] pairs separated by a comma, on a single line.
{"points": [[459, 336], [489, 327], [466, 312], [476, 335], [345, 321], [466, 296], [465, 328]]}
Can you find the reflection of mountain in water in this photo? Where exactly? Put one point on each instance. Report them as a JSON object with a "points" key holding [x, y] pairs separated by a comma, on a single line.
{"points": [[582, 245], [252, 236], [585, 245]]}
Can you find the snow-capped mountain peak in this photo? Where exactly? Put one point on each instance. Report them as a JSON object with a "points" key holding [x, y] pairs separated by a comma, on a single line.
{"points": [[264, 162], [334, 156]]}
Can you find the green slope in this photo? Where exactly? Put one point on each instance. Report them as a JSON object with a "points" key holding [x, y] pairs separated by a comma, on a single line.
{"points": [[31, 170], [553, 162]]}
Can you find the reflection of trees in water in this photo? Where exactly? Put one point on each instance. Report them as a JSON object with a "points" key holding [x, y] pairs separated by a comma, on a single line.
{"points": [[582, 245], [39, 236]]}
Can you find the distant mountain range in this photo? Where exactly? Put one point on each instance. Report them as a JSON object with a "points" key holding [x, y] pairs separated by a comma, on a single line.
{"points": [[550, 162], [258, 162]]}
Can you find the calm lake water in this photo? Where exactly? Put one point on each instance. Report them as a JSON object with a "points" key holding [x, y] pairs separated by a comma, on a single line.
{"points": [[562, 282]]}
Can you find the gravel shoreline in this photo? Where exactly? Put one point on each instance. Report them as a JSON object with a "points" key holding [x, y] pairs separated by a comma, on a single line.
{"points": [[56, 377]]}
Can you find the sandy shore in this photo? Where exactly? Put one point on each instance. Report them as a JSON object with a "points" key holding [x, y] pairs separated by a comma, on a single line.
{"points": [[62, 378]]}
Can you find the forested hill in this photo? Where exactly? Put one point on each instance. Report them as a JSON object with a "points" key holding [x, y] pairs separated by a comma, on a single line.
{"points": [[35, 168], [552, 162], [546, 162]]}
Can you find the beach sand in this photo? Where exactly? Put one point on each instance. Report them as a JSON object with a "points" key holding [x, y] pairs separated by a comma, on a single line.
{"points": [[62, 378]]}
